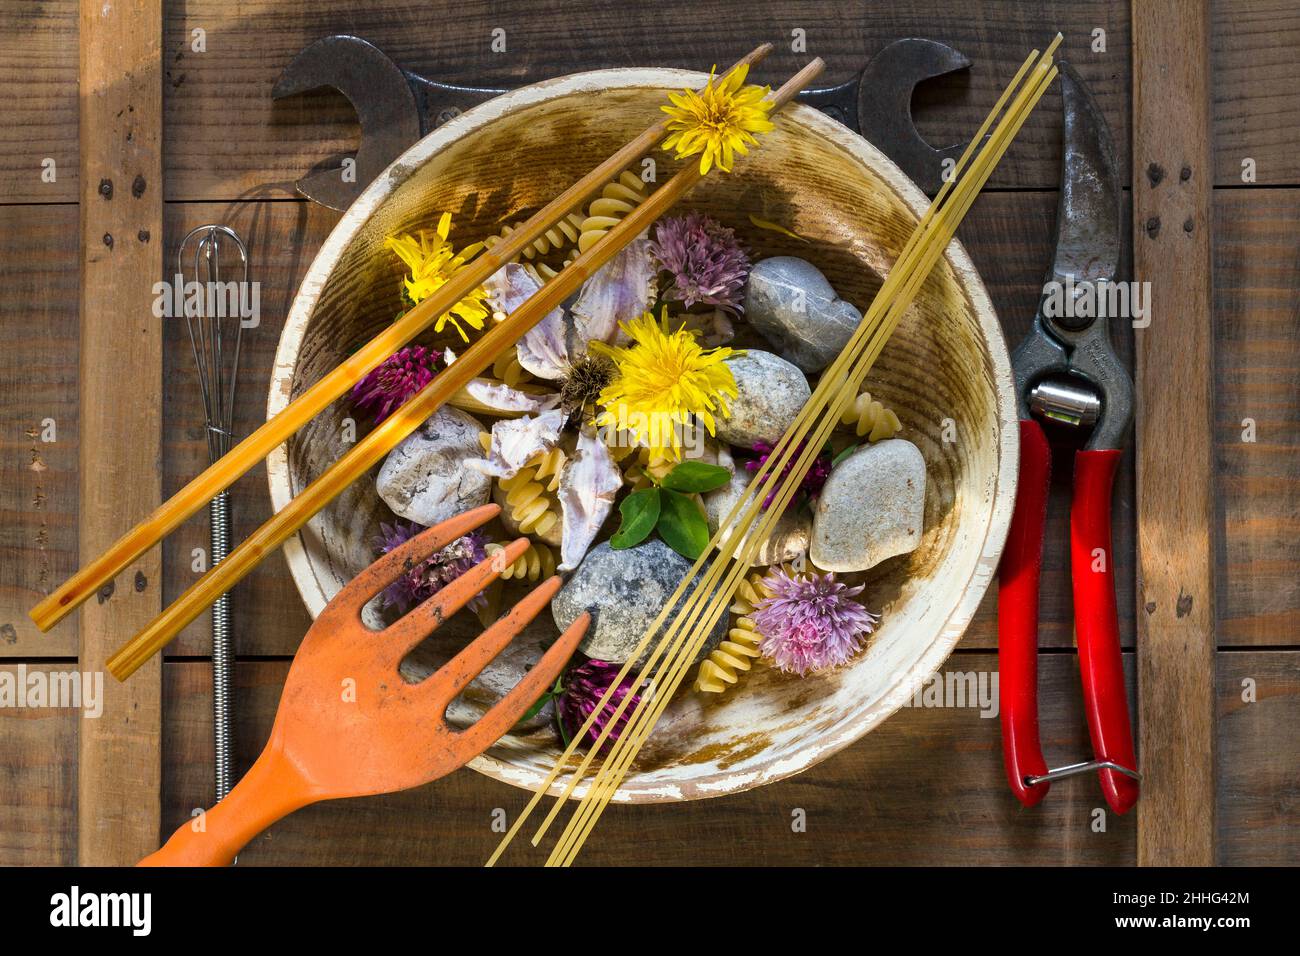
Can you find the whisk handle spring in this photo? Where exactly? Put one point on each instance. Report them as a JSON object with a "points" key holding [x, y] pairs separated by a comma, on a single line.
{"points": [[222, 653]]}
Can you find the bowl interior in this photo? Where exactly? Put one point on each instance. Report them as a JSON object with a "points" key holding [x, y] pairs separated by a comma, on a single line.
{"points": [[944, 371]]}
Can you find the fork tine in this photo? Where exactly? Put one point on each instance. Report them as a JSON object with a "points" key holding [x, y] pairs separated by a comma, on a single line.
{"points": [[392, 565], [452, 677], [503, 715], [406, 632]]}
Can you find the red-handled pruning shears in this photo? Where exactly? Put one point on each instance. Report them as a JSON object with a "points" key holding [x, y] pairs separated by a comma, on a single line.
{"points": [[1066, 371]]}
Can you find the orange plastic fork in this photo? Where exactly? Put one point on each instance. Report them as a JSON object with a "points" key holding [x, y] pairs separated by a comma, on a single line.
{"points": [[349, 725]]}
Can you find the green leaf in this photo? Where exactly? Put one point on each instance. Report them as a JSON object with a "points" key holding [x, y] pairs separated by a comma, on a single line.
{"points": [[532, 711], [551, 694], [682, 525], [696, 477], [640, 511], [844, 454]]}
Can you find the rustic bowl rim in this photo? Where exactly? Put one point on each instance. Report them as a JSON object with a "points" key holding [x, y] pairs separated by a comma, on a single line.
{"points": [[999, 512]]}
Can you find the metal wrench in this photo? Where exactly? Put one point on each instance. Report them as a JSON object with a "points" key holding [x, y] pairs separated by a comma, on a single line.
{"points": [[396, 107]]}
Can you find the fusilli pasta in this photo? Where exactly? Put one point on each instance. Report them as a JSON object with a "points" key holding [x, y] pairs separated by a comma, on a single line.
{"points": [[871, 419], [722, 667]]}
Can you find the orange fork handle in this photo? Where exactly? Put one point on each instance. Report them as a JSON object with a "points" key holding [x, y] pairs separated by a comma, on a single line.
{"points": [[270, 791]]}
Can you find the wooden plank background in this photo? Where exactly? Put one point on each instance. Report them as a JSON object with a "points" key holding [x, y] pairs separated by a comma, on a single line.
{"points": [[927, 786], [1174, 377]]}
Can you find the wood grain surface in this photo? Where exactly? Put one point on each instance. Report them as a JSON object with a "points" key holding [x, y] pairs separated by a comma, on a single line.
{"points": [[1257, 415], [1172, 220], [39, 412], [119, 769]]}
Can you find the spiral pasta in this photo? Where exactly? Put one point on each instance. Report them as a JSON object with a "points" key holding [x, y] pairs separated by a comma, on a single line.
{"points": [[616, 200], [534, 564], [530, 494], [562, 235], [722, 667], [576, 232], [507, 369], [870, 418]]}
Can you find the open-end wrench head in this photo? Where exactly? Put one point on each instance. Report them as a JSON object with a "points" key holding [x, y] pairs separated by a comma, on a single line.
{"points": [[885, 106], [380, 93]]}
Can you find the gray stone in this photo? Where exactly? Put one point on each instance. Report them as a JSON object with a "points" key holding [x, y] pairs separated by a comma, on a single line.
{"points": [[871, 508], [770, 393], [794, 307], [424, 479], [789, 537], [624, 591]]}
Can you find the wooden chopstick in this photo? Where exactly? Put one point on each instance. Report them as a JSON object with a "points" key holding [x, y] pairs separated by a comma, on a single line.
{"points": [[253, 449], [367, 452]]}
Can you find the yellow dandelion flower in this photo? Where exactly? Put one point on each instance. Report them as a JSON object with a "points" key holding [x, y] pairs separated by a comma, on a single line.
{"points": [[664, 381], [718, 122], [433, 261]]}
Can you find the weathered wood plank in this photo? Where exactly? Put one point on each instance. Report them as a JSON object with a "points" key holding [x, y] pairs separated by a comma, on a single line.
{"points": [[1258, 759], [119, 770], [1256, 77], [925, 788], [1257, 415], [226, 138], [1175, 474], [38, 401], [38, 113], [1256, 91], [38, 780]]}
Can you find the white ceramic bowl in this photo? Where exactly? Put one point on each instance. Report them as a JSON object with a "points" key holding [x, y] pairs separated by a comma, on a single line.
{"points": [[945, 365]]}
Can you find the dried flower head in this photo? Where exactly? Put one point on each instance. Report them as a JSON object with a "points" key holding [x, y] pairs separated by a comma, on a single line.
{"points": [[433, 261], [391, 383], [586, 379], [665, 381], [704, 259], [431, 575], [719, 121], [812, 482], [583, 687], [810, 622]]}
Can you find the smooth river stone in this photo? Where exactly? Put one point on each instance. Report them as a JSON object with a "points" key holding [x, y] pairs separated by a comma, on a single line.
{"points": [[624, 591], [871, 508], [794, 307], [424, 479], [771, 392], [789, 537]]}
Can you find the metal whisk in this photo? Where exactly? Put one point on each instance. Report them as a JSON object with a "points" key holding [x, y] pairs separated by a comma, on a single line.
{"points": [[216, 345]]}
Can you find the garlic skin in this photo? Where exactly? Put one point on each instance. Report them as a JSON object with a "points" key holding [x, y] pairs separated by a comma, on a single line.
{"points": [[515, 441], [588, 485]]}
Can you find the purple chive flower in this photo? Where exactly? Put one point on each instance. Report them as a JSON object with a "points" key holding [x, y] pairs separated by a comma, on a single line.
{"points": [[430, 576], [388, 385], [810, 622], [812, 482], [583, 687], [704, 259]]}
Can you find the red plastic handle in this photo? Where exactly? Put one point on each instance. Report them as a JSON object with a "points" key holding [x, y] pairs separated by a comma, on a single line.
{"points": [[1096, 623], [1018, 619]]}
